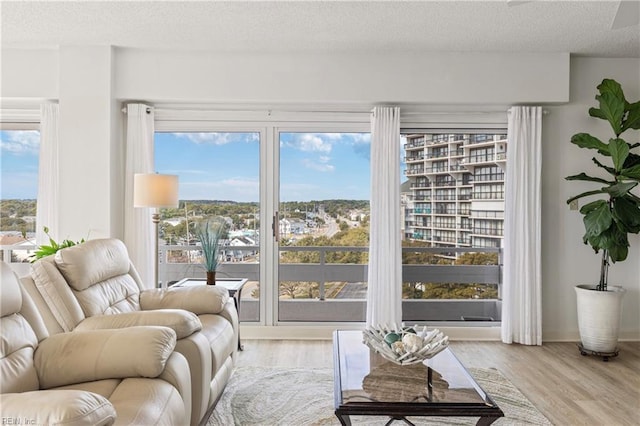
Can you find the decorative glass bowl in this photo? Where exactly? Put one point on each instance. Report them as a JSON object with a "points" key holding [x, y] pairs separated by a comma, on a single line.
{"points": [[405, 345]]}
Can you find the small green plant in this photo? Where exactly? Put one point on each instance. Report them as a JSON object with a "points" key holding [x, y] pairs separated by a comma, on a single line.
{"points": [[52, 248], [210, 232], [608, 221]]}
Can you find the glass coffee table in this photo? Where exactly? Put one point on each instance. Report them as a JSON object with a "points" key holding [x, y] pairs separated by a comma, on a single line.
{"points": [[367, 384]]}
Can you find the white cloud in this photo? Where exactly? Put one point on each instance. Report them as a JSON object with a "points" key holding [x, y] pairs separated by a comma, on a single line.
{"points": [[20, 142], [311, 142], [321, 165], [218, 138]]}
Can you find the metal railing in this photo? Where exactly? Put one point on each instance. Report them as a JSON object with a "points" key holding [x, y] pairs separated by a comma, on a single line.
{"points": [[337, 306]]}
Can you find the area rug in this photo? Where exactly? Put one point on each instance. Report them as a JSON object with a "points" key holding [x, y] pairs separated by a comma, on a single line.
{"points": [[285, 396]]}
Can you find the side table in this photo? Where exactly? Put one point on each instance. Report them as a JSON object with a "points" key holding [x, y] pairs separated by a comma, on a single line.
{"points": [[233, 286]]}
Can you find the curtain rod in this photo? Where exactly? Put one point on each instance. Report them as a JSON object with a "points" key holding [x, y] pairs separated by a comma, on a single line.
{"points": [[270, 111]]}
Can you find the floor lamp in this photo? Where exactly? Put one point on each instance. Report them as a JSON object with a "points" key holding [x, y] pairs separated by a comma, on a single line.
{"points": [[155, 191]]}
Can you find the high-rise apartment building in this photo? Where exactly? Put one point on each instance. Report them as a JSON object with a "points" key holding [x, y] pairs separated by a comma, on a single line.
{"points": [[454, 196]]}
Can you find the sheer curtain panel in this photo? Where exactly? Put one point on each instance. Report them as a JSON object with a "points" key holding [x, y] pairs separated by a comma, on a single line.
{"points": [[521, 305], [138, 229], [384, 295], [47, 207]]}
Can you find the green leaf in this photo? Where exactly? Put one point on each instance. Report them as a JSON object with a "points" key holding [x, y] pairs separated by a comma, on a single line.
{"points": [[632, 160], [598, 220], [633, 117], [585, 140], [607, 168], [584, 176], [611, 109], [585, 194], [611, 86], [619, 151], [592, 206], [631, 172], [620, 189], [626, 213], [618, 253], [618, 244]]}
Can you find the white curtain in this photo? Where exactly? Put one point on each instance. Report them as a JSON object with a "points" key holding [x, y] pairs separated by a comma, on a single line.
{"points": [[139, 232], [521, 302], [47, 209], [384, 295]]}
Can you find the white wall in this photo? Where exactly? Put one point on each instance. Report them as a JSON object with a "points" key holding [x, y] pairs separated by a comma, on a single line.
{"points": [[451, 78], [94, 161], [566, 261]]}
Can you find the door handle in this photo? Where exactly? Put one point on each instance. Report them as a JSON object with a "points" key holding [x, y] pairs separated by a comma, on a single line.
{"points": [[276, 227]]}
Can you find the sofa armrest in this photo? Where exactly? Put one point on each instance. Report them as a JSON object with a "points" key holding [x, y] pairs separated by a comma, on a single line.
{"points": [[56, 407], [202, 299], [85, 356], [184, 323]]}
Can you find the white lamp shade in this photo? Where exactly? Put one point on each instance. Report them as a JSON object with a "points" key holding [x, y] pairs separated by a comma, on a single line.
{"points": [[154, 190]]}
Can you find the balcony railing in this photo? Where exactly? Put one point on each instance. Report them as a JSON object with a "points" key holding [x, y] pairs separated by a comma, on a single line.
{"points": [[326, 308]]}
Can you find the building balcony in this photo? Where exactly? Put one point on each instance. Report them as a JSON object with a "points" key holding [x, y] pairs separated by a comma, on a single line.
{"points": [[484, 214], [491, 232], [431, 170], [499, 195], [415, 144], [414, 171], [439, 154]]}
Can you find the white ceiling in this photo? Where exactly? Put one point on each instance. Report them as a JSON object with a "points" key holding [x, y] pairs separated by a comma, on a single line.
{"points": [[578, 27]]}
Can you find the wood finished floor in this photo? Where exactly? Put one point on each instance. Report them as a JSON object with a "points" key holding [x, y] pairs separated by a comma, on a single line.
{"points": [[568, 388]]}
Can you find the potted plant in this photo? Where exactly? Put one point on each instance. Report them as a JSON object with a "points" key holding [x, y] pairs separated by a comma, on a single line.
{"points": [[211, 232], [52, 248], [610, 218]]}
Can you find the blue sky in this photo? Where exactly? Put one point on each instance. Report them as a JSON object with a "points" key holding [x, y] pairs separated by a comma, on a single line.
{"points": [[225, 166], [19, 164]]}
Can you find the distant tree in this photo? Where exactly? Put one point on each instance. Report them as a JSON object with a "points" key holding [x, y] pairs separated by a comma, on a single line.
{"points": [[477, 258]]}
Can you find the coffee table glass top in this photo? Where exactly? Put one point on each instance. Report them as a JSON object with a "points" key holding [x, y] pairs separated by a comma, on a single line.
{"points": [[365, 376]]}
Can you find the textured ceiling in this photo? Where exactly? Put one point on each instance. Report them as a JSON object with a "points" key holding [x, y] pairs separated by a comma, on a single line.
{"points": [[578, 27]]}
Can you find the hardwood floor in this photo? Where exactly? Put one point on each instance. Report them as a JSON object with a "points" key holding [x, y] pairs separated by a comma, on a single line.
{"points": [[568, 388]]}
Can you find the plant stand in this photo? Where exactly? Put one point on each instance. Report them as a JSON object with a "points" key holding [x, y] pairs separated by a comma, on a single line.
{"points": [[605, 355]]}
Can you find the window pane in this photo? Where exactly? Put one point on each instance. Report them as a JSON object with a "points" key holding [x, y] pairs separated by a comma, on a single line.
{"points": [[453, 213], [19, 151], [324, 226], [218, 180]]}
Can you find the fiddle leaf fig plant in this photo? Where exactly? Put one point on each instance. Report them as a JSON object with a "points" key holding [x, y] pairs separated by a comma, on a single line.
{"points": [[610, 219]]}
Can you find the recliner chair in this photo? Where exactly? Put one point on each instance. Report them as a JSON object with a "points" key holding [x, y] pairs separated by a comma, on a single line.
{"points": [[128, 376], [93, 285]]}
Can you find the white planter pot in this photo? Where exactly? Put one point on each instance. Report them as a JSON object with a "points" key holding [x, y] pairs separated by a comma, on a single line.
{"points": [[599, 315]]}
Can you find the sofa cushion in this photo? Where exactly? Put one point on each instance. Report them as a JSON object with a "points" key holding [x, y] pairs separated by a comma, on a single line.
{"points": [[17, 345], [92, 262], [148, 402], [204, 299], [83, 356], [184, 323], [10, 297], [58, 407]]}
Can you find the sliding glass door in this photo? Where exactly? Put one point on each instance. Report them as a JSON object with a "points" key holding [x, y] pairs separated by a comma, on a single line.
{"points": [[322, 225], [218, 178]]}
